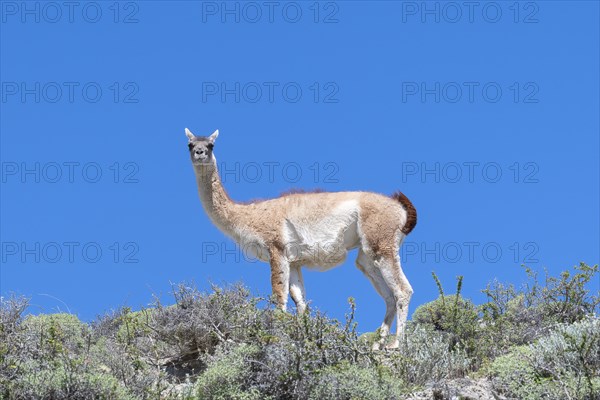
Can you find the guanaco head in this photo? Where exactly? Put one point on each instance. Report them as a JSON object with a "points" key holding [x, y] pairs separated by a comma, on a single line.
{"points": [[201, 147]]}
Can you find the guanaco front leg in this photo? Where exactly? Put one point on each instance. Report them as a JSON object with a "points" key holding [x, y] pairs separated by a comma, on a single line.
{"points": [[280, 278]]}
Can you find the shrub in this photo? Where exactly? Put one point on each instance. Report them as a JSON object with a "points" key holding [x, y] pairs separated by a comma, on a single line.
{"points": [[426, 355], [451, 314], [12, 343], [571, 353], [198, 321], [563, 364], [62, 382], [519, 316], [155, 350], [295, 348], [56, 334], [518, 324], [347, 381], [53, 360], [228, 375], [513, 375]]}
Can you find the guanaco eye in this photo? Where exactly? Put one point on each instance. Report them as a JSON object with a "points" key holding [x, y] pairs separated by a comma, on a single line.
{"points": [[210, 146], [190, 146]]}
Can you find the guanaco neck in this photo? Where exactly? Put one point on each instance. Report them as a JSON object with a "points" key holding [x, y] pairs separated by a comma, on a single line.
{"points": [[215, 200]]}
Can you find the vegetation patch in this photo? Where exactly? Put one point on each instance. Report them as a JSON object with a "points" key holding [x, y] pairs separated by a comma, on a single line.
{"points": [[538, 341]]}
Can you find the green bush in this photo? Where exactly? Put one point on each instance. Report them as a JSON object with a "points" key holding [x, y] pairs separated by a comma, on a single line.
{"points": [[571, 353], [452, 314], [514, 317], [513, 374], [426, 355], [347, 381], [14, 347], [295, 348], [53, 362], [563, 364], [228, 375], [64, 382], [57, 333]]}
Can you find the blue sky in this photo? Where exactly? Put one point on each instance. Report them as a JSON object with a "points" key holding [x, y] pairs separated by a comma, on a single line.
{"points": [[487, 118]]}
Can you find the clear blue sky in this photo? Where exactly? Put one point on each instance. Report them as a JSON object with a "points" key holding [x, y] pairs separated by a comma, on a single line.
{"points": [[487, 118]]}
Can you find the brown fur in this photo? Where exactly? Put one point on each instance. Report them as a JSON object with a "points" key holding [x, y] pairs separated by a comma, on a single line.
{"points": [[379, 218], [300, 191], [411, 212], [279, 277], [283, 194]]}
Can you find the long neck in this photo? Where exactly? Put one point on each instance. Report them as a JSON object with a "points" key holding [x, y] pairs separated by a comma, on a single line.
{"points": [[217, 204]]}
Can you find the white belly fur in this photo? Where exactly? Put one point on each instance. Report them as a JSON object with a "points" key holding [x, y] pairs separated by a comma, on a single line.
{"points": [[322, 243]]}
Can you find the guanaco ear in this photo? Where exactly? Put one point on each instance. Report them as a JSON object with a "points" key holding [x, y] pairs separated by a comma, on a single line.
{"points": [[189, 134], [214, 136]]}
